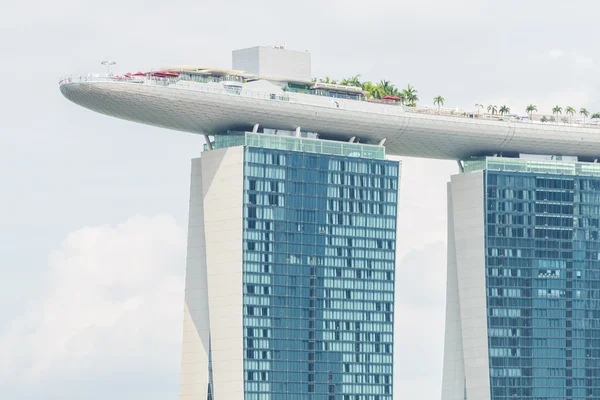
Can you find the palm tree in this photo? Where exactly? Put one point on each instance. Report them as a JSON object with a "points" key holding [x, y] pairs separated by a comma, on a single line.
{"points": [[530, 109], [570, 110], [385, 88], [328, 80], [477, 106], [369, 87], [557, 110], [352, 81], [439, 100], [410, 95], [544, 119], [504, 110], [492, 109], [585, 114], [596, 115]]}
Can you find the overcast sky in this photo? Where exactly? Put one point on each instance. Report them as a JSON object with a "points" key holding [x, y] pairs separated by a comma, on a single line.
{"points": [[93, 210]]}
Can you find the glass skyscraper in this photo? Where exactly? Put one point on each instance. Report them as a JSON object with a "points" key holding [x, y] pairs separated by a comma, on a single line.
{"points": [[523, 310], [299, 300], [291, 244]]}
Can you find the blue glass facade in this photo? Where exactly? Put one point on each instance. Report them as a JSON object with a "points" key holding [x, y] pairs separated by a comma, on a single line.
{"points": [[543, 284], [318, 273]]}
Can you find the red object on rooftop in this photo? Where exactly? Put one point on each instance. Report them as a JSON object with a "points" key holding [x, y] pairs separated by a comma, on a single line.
{"points": [[139, 73], [164, 74], [396, 98], [127, 74]]}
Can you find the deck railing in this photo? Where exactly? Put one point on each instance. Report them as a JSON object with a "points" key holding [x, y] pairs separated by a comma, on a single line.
{"points": [[173, 82]]}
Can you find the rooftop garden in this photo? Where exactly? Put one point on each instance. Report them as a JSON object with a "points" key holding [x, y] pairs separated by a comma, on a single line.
{"points": [[379, 90], [384, 89]]}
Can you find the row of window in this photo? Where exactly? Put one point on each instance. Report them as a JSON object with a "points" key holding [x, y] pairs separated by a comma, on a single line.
{"points": [[314, 396], [583, 354], [328, 283], [264, 263], [251, 332], [299, 323], [546, 362], [308, 161], [570, 304], [319, 261], [297, 203], [281, 293], [540, 207], [351, 363], [307, 186], [280, 306], [281, 227], [544, 312], [311, 177]]}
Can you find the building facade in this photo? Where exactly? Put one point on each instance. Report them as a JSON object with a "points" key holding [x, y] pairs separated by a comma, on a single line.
{"points": [[523, 292], [290, 275]]}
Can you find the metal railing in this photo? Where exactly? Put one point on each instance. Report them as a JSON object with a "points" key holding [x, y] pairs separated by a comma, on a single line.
{"points": [[559, 167], [292, 143], [174, 83]]}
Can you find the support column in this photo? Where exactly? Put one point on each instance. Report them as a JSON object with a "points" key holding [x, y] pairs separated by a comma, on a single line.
{"points": [[196, 327], [208, 143]]}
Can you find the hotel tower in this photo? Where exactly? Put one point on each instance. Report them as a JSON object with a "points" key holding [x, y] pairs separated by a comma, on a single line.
{"points": [[293, 225]]}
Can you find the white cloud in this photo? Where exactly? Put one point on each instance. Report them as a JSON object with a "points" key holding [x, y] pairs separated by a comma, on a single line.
{"points": [[112, 313], [111, 319], [579, 61]]}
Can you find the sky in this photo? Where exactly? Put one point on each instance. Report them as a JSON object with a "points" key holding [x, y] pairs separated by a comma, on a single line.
{"points": [[93, 210]]}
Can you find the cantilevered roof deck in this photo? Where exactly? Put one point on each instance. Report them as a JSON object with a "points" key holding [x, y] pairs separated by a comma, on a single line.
{"points": [[209, 108]]}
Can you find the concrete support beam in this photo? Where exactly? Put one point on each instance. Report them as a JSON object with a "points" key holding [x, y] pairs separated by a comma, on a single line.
{"points": [[208, 142]]}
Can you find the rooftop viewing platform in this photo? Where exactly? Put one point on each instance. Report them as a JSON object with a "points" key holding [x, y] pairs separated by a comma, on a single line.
{"points": [[189, 81], [194, 81], [281, 95]]}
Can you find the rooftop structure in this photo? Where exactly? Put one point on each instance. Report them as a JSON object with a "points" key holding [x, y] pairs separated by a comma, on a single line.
{"points": [[213, 101], [274, 61]]}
